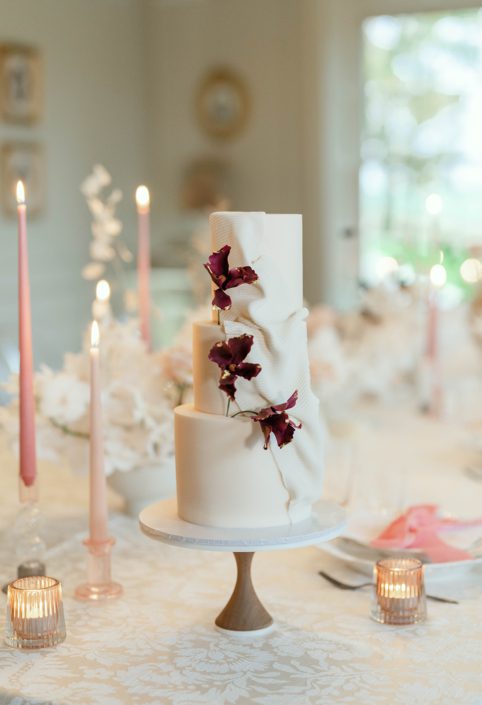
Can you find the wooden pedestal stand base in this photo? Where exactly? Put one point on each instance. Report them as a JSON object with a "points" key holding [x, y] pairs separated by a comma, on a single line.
{"points": [[244, 611], [244, 614]]}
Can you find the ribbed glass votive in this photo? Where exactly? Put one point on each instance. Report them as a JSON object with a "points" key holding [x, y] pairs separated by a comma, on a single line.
{"points": [[399, 592], [35, 613]]}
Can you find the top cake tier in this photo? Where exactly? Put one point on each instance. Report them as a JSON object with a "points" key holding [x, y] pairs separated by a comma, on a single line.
{"points": [[258, 237]]}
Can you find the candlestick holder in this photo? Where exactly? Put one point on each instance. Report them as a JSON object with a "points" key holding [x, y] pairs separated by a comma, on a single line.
{"points": [[27, 530], [26, 534], [99, 585]]}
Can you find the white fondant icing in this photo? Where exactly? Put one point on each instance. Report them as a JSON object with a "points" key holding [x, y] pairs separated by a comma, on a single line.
{"points": [[256, 238], [207, 395], [224, 476], [270, 311]]}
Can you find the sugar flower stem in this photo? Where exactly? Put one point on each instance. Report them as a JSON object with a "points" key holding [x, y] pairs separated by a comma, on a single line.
{"points": [[244, 411], [227, 407]]}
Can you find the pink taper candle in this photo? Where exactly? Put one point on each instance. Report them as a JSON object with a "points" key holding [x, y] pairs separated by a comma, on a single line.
{"points": [[98, 491], [28, 460], [432, 326], [438, 277], [143, 262]]}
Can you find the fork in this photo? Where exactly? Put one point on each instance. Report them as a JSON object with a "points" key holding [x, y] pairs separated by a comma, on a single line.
{"points": [[347, 586]]}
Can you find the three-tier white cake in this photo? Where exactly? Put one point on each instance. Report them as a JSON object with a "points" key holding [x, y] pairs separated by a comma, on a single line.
{"points": [[225, 476]]}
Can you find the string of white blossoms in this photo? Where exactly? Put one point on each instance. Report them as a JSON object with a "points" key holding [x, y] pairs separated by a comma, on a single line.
{"points": [[106, 246]]}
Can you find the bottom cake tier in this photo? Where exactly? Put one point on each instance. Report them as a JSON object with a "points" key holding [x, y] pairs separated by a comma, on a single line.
{"points": [[224, 476]]}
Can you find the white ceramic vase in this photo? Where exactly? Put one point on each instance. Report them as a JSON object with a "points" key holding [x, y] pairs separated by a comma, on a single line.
{"points": [[144, 485]]}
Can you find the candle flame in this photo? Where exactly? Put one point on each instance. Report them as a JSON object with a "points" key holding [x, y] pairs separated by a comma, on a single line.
{"points": [[94, 335], [438, 275], [102, 290], [471, 270], [142, 197], [20, 192], [434, 204]]}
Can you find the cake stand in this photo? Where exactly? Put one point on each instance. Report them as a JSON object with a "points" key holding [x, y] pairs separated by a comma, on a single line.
{"points": [[244, 612]]}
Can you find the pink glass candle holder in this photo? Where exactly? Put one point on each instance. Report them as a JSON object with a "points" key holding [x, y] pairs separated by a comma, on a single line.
{"points": [[35, 613], [99, 585], [399, 595]]}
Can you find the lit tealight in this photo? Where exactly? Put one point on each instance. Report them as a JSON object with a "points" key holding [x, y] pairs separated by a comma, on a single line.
{"points": [[434, 204], [142, 197], [102, 290], [20, 193], [438, 275], [94, 335], [471, 270], [35, 613], [399, 592]]}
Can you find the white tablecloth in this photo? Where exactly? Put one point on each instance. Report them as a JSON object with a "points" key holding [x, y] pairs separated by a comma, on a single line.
{"points": [[157, 644]]}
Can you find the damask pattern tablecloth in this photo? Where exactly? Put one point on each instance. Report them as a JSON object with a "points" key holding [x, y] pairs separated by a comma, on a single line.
{"points": [[157, 645]]}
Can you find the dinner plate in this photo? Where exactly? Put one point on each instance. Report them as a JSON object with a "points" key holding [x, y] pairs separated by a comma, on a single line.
{"points": [[354, 548]]}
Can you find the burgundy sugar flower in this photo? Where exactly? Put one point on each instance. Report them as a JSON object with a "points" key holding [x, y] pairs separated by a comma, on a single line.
{"points": [[274, 419], [225, 278], [229, 356]]}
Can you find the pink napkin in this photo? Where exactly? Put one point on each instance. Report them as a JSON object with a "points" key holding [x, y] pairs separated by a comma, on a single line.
{"points": [[418, 528]]}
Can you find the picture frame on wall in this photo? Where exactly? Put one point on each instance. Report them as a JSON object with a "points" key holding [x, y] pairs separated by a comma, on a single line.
{"points": [[25, 161], [20, 84], [222, 104]]}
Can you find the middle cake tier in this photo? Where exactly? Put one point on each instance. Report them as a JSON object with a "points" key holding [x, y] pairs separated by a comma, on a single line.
{"points": [[207, 395]]}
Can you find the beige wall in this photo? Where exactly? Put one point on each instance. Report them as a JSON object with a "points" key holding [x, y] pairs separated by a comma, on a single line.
{"points": [[299, 152], [94, 111], [261, 40]]}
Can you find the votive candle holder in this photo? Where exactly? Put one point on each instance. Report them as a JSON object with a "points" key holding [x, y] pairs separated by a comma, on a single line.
{"points": [[399, 591], [35, 613]]}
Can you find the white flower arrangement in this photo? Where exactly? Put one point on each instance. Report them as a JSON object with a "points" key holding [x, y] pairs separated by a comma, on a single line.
{"points": [[139, 388], [136, 398], [366, 352]]}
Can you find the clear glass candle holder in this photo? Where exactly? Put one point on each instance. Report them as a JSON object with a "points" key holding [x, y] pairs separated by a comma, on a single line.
{"points": [[35, 613], [399, 591]]}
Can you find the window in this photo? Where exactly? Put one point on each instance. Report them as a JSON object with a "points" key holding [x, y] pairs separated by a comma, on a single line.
{"points": [[421, 152]]}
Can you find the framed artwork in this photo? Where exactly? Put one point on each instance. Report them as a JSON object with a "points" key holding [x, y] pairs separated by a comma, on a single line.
{"points": [[25, 161], [222, 104], [20, 84]]}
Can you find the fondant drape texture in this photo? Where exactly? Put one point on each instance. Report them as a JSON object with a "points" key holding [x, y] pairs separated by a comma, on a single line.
{"points": [[270, 310]]}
